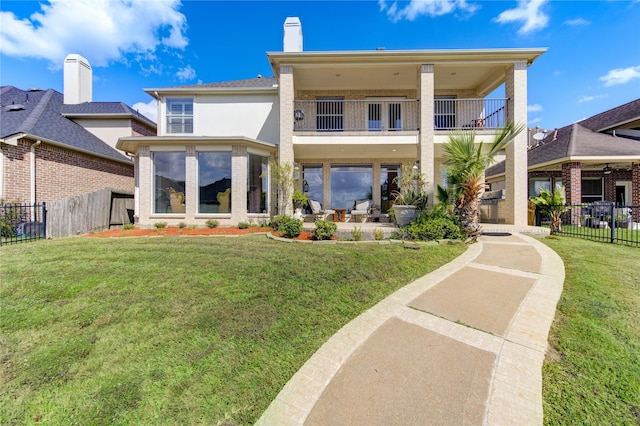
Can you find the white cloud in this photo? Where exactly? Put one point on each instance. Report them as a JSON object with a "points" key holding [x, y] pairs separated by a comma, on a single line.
{"points": [[186, 73], [101, 30], [149, 110], [431, 8], [576, 22], [529, 13], [534, 121], [590, 98], [534, 108], [620, 76]]}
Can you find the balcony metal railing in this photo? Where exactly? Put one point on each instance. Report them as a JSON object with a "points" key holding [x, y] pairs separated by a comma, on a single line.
{"points": [[373, 115], [451, 114], [392, 115]]}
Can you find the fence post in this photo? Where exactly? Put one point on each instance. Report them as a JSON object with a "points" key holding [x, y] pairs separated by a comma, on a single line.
{"points": [[613, 223], [44, 219]]}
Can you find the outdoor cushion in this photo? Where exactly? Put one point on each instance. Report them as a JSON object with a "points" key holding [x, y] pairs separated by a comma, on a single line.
{"points": [[362, 205], [316, 207]]}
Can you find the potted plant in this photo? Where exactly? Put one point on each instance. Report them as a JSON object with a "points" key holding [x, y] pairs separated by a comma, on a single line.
{"points": [[299, 199], [410, 198]]}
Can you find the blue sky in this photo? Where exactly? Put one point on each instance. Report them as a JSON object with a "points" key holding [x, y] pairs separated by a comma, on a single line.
{"points": [[593, 61]]}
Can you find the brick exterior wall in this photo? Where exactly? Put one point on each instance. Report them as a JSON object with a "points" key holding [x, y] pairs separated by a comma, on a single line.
{"points": [[60, 173], [572, 181]]}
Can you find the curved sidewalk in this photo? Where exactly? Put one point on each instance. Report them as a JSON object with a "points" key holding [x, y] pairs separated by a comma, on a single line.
{"points": [[462, 345]]}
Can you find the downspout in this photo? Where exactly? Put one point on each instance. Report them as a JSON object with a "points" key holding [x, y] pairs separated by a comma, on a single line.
{"points": [[1, 173], [32, 171]]}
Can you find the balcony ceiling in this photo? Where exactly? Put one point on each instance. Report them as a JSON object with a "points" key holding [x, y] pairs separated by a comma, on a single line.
{"points": [[481, 78]]}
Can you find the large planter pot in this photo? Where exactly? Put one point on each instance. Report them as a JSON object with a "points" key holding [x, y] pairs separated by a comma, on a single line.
{"points": [[404, 214]]}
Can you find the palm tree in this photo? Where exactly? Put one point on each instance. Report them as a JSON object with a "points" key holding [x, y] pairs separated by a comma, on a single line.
{"points": [[552, 203], [466, 163]]}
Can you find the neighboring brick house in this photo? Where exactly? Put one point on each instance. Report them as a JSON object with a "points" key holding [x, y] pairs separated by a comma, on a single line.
{"points": [[347, 121], [596, 159], [55, 147]]}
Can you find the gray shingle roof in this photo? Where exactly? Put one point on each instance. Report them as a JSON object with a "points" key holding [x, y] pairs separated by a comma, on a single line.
{"points": [[613, 117], [41, 117], [104, 108], [575, 140], [261, 82]]}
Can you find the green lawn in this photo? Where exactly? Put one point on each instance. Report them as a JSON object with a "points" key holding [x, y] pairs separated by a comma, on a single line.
{"points": [[592, 372], [177, 330]]}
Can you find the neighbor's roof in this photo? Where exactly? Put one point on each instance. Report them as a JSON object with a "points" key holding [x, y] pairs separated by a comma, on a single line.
{"points": [[615, 117], [104, 109], [37, 114], [250, 85]]}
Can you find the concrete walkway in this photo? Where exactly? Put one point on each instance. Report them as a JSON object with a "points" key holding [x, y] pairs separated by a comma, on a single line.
{"points": [[462, 345]]}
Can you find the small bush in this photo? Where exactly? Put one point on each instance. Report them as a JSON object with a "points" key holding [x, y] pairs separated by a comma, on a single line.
{"points": [[325, 229], [277, 222], [182, 225], [356, 234], [378, 234], [127, 226], [160, 225], [289, 226], [211, 223], [432, 228], [243, 225]]}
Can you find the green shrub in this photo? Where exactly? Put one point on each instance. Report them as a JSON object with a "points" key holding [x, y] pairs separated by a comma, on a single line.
{"points": [[378, 234], [211, 223], [160, 225], [9, 219], [182, 225], [243, 225], [356, 234], [277, 222], [325, 229], [432, 228], [127, 226]]}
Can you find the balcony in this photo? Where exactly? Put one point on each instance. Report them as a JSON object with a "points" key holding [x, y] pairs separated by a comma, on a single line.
{"points": [[396, 115]]}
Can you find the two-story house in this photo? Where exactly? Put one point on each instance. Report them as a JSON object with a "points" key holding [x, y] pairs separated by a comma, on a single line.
{"points": [[346, 120]]}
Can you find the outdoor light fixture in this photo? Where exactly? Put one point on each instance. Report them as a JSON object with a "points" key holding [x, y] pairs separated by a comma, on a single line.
{"points": [[607, 170], [305, 186], [415, 167]]}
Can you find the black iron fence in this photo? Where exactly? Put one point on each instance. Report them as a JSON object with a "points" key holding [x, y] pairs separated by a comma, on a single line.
{"points": [[22, 222], [599, 221]]}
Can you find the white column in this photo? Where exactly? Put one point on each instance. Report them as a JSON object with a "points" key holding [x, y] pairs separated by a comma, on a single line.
{"points": [[147, 200], [238, 184], [426, 151], [191, 183], [285, 148], [516, 161]]}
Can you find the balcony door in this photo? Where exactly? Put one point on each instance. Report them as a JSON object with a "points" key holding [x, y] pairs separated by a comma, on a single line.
{"points": [[383, 115], [330, 114]]}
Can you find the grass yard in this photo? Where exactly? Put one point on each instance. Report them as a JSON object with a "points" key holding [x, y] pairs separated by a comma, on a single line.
{"points": [[174, 330], [592, 373]]}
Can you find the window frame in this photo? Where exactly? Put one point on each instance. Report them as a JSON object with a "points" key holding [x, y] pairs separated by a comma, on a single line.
{"points": [[183, 117]]}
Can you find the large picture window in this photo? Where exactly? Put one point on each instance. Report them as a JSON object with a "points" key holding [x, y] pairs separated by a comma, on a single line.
{"points": [[389, 177], [169, 177], [258, 183], [592, 190], [350, 183], [180, 115], [214, 182], [312, 182]]}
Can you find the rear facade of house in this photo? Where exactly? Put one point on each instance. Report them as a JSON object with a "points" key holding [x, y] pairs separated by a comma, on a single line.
{"points": [[346, 122]]}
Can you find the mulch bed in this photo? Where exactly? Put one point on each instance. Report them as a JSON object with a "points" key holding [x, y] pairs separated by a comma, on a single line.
{"points": [[175, 231]]}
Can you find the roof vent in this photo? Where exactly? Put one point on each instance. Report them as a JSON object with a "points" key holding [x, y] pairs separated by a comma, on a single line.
{"points": [[15, 107]]}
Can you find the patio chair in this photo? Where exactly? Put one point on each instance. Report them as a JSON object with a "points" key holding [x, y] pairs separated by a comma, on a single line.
{"points": [[176, 199], [317, 211], [361, 209]]}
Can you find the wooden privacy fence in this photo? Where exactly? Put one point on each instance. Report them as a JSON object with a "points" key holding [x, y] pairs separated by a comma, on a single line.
{"points": [[86, 213]]}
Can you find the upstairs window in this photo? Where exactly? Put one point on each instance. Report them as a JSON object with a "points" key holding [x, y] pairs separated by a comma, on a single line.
{"points": [[329, 114], [180, 115]]}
